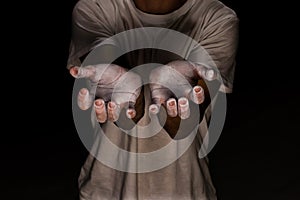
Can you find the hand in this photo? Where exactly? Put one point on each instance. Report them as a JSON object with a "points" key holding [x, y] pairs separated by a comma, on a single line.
{"points": [[114, 87], [178, 79]]}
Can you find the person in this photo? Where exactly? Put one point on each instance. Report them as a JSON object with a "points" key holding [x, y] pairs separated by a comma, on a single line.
{"points": [[214, 28]]}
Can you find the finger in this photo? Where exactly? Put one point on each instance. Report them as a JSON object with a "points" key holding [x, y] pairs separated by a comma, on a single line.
{"points": [[205, 72], [210, 74], [131, 112], [183, 108], [126, 92], [74, 71], [172, 107], [83, 72], [126, 100], [113, 111], [154, 109], [197, 94], [100, 110], [84, 99], [159, 96]]}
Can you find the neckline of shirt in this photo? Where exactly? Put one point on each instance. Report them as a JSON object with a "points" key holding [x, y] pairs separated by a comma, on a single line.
{"points": [[161, 18]]}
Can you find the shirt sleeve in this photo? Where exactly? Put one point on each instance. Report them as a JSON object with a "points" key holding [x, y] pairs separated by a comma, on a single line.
{"points": [[219, 40], [92, 23]]}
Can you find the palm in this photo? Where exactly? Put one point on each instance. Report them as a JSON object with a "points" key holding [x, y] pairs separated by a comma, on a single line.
{"points": [[114, 88]]}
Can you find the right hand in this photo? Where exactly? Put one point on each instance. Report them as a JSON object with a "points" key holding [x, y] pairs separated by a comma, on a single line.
{"points": [[114, 88]]}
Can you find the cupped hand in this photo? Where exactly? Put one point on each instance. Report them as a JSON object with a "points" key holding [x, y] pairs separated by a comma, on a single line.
{"points": [[113, 86], [174, 84]]}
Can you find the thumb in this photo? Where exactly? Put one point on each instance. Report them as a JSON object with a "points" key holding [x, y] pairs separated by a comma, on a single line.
{"points": [[205, 72]]}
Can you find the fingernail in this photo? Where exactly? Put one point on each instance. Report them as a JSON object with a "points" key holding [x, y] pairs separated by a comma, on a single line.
{"points": [[99, 103], [83, 92], [153, 109], [75, 71], [197, 89], [210, 74], [130, 113], [198, 95], [112, 105]]}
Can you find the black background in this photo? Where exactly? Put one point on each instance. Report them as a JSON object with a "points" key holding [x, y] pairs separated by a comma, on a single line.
{"points": [[256, 157]]}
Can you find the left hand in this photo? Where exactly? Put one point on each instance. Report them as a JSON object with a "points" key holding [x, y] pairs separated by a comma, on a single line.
{"points": [[174, 84]]}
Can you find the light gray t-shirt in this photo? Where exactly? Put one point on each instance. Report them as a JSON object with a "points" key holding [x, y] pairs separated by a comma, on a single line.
{"points": [[214, 27], [209, 22]]}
